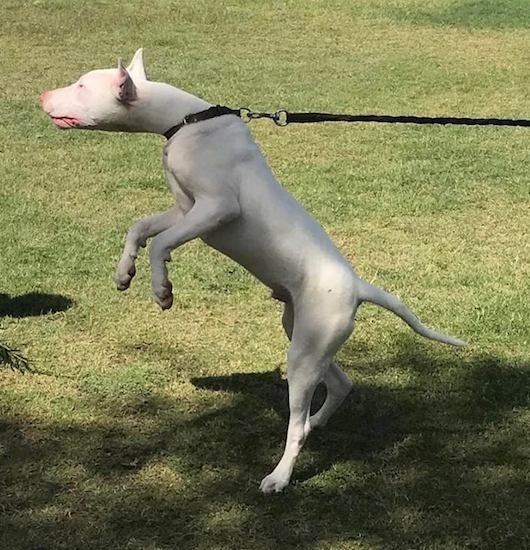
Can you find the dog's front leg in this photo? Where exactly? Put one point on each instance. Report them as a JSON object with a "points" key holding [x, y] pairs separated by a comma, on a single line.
{"points": [[206, 215], [137, 237]]}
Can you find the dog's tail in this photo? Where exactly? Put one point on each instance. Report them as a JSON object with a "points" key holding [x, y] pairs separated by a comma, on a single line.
{"points": [[370, 293]]}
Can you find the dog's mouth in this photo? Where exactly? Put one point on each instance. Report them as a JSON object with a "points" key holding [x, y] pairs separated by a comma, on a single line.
{"points": [[66, 121]]}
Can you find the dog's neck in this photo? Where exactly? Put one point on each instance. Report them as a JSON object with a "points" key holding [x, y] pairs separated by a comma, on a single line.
{"points": [[160, 106]]}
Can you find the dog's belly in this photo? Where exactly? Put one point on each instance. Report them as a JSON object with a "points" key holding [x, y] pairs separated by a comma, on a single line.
{"points": [[259, 257], [285, 256]]}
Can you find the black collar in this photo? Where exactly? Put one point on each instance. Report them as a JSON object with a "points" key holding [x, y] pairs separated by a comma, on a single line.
{"points": [[212, 112]]}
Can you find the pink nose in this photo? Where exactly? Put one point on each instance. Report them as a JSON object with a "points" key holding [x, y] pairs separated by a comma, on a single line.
{"points": [[43, 97]]}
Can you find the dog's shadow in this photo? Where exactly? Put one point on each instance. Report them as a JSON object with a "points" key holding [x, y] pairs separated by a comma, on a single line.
{"points": [[367, 422], [33, 304], [375, 419]]}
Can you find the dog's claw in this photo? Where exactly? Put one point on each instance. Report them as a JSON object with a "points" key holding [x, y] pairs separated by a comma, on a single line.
{"points": [[164, 296], [270, 484], [124, 277], [165, 303]]}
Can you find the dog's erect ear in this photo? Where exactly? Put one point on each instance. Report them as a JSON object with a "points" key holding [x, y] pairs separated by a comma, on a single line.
{"points": [[125, 88], [136, 67]]}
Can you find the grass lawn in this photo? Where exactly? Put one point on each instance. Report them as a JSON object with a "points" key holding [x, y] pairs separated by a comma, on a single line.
{"points": [[139, 429]]}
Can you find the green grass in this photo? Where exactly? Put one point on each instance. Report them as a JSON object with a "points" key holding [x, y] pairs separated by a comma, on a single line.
{"points": [[472, 14], [146, 430]]}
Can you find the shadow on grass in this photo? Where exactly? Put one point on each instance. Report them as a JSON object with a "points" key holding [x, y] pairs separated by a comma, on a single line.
{"points": [[33, 304], [442, 462], [27, 305], [470, 13]]}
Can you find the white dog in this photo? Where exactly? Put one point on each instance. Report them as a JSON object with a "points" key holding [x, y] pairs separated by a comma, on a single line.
{"points": [[226, 195]]}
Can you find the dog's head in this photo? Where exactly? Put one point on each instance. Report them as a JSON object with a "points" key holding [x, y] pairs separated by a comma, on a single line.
{"points": [[99, 100]]}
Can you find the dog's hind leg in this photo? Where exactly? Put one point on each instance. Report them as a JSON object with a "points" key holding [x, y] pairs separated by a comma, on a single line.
{"points": [[316, 336], [288, 318], [338, 385]]}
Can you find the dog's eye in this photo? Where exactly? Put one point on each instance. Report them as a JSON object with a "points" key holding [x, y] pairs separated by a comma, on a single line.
{"points": [[79, 85]]}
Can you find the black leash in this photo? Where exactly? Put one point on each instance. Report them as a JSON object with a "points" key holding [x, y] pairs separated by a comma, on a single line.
{"points": [[400, 119], [283, 118]]}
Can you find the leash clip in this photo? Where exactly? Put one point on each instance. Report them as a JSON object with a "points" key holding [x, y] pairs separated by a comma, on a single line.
{"points": [[244, 114], [279, 117]]}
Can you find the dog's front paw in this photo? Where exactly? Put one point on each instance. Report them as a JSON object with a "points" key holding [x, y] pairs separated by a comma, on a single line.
{"points": [[273, 483], [163, 294], [125, 273]]}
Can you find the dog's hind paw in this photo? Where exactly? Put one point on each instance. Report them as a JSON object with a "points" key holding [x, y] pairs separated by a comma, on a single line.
{"points": [[273, 484]]}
